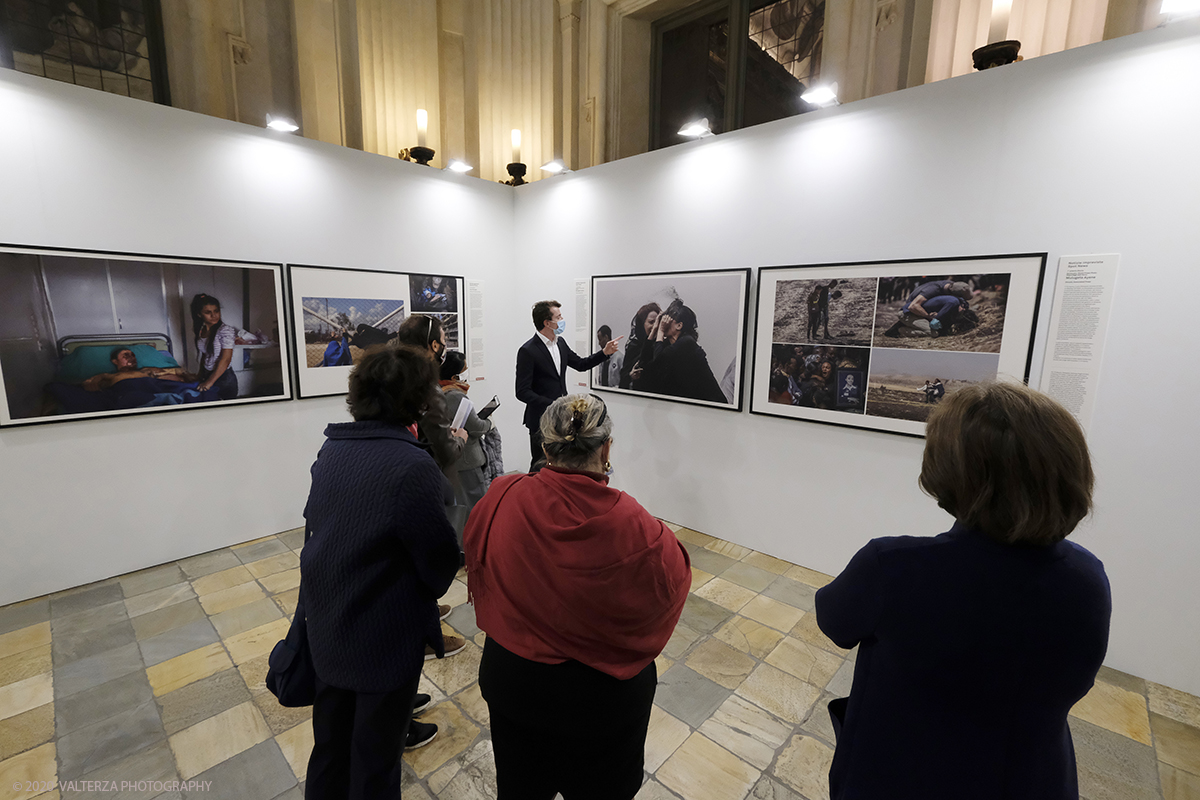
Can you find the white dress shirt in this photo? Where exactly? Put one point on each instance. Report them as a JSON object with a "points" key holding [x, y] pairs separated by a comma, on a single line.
{"points": [[552, 346]]}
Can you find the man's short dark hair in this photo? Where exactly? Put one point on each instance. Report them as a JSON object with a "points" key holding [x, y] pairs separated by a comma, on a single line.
{"points": [[454, 364], [604, 331], [420, 331], [543, 310], [392, 385], [116, 351]]}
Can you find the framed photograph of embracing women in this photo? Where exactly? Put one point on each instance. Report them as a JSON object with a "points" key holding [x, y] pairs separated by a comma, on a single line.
{"points": [[96, 334], [879, 344], [682, 335]]}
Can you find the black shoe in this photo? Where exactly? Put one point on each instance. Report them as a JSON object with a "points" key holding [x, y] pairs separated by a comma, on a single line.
{"points": [[422, 703], [420, 734], [893, 332]]}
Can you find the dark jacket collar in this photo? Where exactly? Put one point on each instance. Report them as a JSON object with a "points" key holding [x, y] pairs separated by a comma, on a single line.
{"points": [[368, 429]]}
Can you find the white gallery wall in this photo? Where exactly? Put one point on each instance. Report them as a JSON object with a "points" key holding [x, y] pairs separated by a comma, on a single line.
{"points": [[82, 501], [1093, 150]]}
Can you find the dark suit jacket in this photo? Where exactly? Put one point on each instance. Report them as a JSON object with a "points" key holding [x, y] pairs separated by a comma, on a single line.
{"points": [[538, 384], [971, 654]]}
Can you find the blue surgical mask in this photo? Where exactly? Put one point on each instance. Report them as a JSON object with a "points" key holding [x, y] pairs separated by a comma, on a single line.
{"points": [[560, 328]]}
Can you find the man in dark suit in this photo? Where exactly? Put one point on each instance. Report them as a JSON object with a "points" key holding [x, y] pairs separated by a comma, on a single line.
{"points": [[542, 368]]}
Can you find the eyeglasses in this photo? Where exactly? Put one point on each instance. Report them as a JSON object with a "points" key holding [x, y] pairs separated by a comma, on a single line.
{"points": [[429, 332], [603, 409]]}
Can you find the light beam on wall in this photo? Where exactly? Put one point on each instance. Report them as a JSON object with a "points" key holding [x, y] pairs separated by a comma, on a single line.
{"points": [[823, 96]]}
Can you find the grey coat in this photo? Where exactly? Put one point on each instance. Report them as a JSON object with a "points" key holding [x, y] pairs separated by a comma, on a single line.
{"points": [[472, 456]]}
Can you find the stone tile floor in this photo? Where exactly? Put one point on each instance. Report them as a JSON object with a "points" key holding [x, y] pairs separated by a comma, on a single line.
{"points": [[156, 679]]}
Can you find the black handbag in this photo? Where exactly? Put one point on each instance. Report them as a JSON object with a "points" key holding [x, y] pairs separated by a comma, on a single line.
{"points": [[290, 674]]}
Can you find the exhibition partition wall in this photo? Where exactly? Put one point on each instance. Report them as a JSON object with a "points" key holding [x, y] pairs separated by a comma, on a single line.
{"points": [[1087, 151]]}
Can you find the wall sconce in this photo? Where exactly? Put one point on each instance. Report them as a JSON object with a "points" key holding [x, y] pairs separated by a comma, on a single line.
{"points": [[283, 124], [823, 96], [699, 129], [421, 154], [516, 170], [999, 50], [555, 167], [458, 166]]}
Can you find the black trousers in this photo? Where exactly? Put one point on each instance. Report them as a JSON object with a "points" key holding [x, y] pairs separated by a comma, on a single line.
{"points": [[358, 741], [535, 448], [585, 736]]}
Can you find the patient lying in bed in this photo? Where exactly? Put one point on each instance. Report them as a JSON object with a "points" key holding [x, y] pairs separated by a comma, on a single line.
{"points": [[130, 386], [127, 367]]}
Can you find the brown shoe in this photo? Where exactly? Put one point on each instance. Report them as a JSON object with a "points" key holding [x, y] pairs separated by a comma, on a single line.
{"points": [[451, 644], [444, 611]]}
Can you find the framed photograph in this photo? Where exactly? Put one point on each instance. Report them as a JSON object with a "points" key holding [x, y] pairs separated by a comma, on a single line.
{"points": [[682, 335], [879, 344], [87, 334], [339, 315]]}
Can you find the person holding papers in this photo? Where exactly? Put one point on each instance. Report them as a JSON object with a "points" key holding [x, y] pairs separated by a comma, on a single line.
{"points": [[470, 486]]}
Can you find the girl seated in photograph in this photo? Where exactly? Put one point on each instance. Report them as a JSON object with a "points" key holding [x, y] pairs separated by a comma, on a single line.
{"points": [[214, 347]]}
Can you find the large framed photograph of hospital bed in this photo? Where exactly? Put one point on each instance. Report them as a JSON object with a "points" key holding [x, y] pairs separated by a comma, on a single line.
{"points": [[879, 344], [339, 315], [90, 334], [682, 335]]}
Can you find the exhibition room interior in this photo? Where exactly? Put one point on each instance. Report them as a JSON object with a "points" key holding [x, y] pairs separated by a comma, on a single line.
{"points": [[151, 554]]}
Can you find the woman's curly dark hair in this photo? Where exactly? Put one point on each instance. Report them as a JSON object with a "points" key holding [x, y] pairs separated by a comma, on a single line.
{"points": [[392, 385]]}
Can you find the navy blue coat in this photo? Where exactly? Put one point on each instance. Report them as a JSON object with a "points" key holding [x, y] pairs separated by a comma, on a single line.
{"points": [[380, 555], [971, 653], [538, 383]]}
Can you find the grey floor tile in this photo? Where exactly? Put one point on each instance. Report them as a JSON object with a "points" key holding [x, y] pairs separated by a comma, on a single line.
{"points": [[1112, 766], [22, 615], [707, 560], [208, 563], [259, 772], [1123, 680], [795, 594], [703, 615], [260, 550], [293, 539], [178, 641], [150, 579], [153, 764], [70, 647], [688, 695], [198, 701], [839, 685], [93, 618], [294, 793], [97, 704], [73, 601], [243, 618], [771, 789], [462, 619], [153, 623], [96, 670], [818, 723], [88, 749], [682, 638], [749, 576]]}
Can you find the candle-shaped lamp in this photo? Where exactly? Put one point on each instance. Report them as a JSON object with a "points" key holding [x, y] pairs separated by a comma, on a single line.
{"points": [[998, 30], [422, 126], [516, 146]]}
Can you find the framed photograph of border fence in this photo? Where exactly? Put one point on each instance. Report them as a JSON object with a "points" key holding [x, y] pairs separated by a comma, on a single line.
{"points": [[337, 315], [684, 335], [91, 334], [917, 329]]}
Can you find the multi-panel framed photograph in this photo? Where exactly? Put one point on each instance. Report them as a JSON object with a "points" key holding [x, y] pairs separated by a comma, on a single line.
{"points": [[339, 315], [879, 344], [88, 334], [683, 335]]}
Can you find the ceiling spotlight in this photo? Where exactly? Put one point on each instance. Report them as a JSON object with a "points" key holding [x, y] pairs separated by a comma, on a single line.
{"points": [[823, 96], [555, 167], [1180, 8], [697, 130], [458, 166], [285, 124]]}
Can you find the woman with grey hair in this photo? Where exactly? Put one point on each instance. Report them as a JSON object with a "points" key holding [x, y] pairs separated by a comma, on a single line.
{"points": [[578, 589]]}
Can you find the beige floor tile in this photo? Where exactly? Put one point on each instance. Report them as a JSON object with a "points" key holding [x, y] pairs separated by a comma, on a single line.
{"points": [[280, 718], [25, 731], [225, 579], [808, 663], [806, 630], [770, 563], [703, 770], [455, 673], [749, 636], [1179, 706], [37, 767], [663, 737], [188, 668], [726, 593], [281, 581], [699, 578], [24, 639], [674, 528], [273, 564], [244, 617], [653, 790], [24, 695], [287, 601], [254, 673], [253, 542], [747, 731], [256, 641], [784, 695], [662, 664], [721, 663], [232, 597], [1177, 784], [1116, 710], [729, 549], [456, 595], [456, 733], [297, 745], [804, 766], [480, 638], [772, 613], [218, 738], [1177, 744], [159, 598], [471, 701], [694, 537], [25, 664], [54, 795], [809, 576]]}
